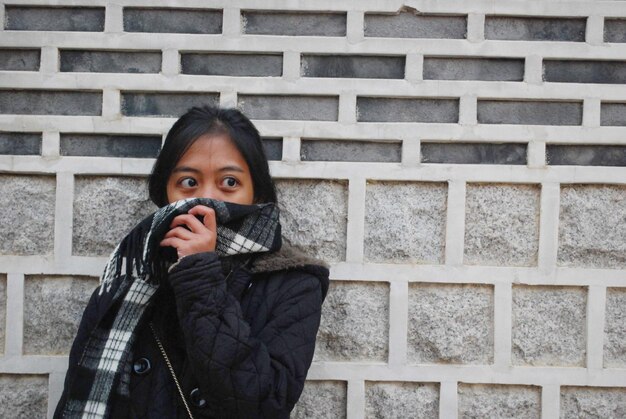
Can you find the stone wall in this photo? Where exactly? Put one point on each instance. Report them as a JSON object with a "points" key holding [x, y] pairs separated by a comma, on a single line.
{"points": [[460, 164]]}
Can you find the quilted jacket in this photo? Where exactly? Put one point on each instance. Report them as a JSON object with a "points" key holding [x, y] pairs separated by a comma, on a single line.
{"points": [[240, 340]]}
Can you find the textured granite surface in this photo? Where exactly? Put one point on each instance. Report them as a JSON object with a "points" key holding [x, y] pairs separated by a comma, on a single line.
{"points": [[405, 222], [53, 307], [355, 323], [615, 328], [478, 401], [23, 396], [323, 400], [592, 226], [401, 400], [27, 214], [105, 210], [501, 224], [548, 326], [450, 324], [314, 216], [593, 402]]}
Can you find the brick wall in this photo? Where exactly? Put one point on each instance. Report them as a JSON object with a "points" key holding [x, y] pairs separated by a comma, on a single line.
{"points": [[463, 169]]}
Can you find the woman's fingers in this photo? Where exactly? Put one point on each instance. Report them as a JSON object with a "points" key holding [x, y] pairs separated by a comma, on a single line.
{"points": [[178, 244], [208, 215], [172, 242], [190, 221], [189, 235], [179, 232]]}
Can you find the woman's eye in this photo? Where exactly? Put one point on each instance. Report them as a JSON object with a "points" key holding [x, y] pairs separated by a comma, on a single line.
{"points": [[188, 182], [229, 182]]}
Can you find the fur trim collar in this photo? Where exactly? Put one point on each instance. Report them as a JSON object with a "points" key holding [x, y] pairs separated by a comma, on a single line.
{"points": [[286, 258]]}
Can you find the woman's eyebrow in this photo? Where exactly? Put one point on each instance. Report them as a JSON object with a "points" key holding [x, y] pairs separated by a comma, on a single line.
{"points": [[185, 169], [231, 169]]}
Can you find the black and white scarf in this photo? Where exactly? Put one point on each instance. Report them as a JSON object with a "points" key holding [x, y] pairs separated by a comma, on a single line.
{"points": [[134, 272]]}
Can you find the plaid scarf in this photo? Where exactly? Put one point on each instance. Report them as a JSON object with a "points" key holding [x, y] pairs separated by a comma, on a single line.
{"points": [[104, 366]]}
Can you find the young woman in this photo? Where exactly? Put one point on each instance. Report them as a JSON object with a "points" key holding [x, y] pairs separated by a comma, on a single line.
{"points": [[200, 312]]}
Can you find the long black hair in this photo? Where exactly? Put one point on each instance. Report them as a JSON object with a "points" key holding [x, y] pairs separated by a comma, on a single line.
{"points": [[211, 120]]}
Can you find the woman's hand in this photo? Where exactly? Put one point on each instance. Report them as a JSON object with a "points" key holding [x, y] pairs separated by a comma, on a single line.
{"points": [[189, 235]]}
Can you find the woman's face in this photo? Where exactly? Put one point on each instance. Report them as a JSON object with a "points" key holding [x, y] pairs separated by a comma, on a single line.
{"points": [[211, 168]]}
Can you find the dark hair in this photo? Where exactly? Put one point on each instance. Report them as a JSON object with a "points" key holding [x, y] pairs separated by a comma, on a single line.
{"points": [[199, 121]]}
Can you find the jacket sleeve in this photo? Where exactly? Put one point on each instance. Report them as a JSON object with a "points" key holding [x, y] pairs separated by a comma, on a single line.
{"points": [[243, 375]]}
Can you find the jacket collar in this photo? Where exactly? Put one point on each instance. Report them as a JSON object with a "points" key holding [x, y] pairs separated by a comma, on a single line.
{"points": [[286, 258]]}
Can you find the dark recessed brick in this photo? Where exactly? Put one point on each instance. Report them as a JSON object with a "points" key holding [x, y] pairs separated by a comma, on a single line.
{"points": [[19, 59], [50, 102], [350, 150], [273, 148], [615, 30], [106, 145], [473, 153], [294, 23], [40, 18], [535, 28], [216, 64], [411, 25], [355, 66], [586, 155], [111, 61], [20, 143], [162, 20], [496, 69], [529, 112], [381, 109], [613, 114], [578, 71], [308, 108], [164, 104]]}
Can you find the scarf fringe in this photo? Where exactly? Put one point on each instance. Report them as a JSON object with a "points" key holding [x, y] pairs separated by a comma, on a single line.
{"points": [[128, 256]]}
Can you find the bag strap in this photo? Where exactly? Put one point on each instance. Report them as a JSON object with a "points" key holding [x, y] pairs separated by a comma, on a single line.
{"points": [[169, 366]]}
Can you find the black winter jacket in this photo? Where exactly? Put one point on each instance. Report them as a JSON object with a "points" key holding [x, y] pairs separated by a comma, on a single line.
{"points": [[240, 342]]}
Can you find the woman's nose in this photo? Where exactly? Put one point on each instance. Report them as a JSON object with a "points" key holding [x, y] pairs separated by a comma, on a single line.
{"points": [[211, 192]]}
